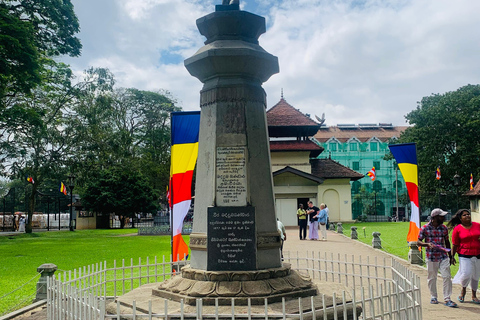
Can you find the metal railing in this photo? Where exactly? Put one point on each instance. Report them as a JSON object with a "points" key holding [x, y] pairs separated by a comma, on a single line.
{"points": [[379, 289]]}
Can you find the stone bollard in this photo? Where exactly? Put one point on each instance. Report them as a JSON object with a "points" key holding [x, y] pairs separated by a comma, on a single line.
{"points": [[339, 228], [332, 226], [354, 234], [46, 270], [414, 255], [376, 242]]}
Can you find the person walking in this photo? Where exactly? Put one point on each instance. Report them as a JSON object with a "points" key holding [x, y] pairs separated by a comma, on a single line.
{"points": [[302, 222], [21, 224], [435, 235], [283, 235], [313, 218], [328, 217], [466, 242], [322, 221]]}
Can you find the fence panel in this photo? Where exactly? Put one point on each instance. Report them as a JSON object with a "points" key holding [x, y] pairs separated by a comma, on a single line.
{"points": [[383, 289]]}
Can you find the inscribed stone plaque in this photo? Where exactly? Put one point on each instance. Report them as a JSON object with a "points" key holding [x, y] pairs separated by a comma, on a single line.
{"points": [[231, 175], [231, 239]]}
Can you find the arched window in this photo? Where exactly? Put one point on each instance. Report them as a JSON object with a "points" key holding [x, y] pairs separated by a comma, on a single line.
{"points": [[356, 209], [398, 183], [356, 186], [380, 208], [377, 186]]}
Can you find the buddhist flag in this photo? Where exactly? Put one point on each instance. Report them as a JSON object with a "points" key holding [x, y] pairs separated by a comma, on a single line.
{"points": [[471, 181], [372, 174], [63, 188], [30, 179], [406, 157], [184, 152], [438, 175]]}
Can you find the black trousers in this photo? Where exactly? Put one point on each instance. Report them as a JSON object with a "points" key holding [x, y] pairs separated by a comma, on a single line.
{"points": [[303, 228]]}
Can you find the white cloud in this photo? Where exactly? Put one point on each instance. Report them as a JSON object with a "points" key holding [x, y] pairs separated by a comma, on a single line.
{"points": [[358, 61]]}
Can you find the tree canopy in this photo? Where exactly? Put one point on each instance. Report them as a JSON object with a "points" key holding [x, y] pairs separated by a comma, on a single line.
{"points": [[121, 190], [31, 31], [445, 128]]}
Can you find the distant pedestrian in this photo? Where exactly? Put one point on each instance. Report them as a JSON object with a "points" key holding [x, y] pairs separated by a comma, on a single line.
{"points": [[313, 221], [283, 235], [322, 221], [328, 217], [21, 224], [466, 242], [16, 221], [439, 257], [302, 222]]}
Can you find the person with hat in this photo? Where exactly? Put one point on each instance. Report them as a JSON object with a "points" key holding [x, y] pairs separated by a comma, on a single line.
{"points": [[434, 236]]}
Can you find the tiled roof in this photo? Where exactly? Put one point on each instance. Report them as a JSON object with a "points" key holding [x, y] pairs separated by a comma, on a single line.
{"points": [[296, 145], [298, 173], [475, 191], [330, 169], [284, 114], [362, 134], [285, 121]]}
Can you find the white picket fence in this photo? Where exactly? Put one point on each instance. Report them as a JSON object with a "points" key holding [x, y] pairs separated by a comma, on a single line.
{"points": [[383, 291]]}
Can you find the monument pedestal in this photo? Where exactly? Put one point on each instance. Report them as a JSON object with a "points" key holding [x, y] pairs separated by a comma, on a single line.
{"points": [[223, 286]]}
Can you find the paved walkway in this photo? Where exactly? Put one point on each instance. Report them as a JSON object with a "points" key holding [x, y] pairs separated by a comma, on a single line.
{"points": [[337, 243]]}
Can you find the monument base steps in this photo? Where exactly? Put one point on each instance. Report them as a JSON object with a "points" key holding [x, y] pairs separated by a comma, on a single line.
{"points": [[143, 295], [221, 287]]}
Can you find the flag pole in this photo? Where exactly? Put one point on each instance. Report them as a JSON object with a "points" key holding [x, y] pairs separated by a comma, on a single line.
{"points": [[170, 188], [396, 187]]}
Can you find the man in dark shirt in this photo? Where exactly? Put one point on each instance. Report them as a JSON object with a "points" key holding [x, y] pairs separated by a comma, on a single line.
{"points": [[313, 221], [435, 235]]}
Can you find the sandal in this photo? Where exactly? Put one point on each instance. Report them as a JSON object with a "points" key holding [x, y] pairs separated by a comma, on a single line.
{"points": [[461, 299], [475, 300], [451, 304], [434, 301]]}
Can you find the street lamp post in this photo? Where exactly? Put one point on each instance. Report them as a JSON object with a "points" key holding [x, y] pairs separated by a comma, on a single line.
{"points": [[456, 183], [71, 185]]}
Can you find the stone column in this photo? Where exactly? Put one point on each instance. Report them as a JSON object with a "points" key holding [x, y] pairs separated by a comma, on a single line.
{"points": [[354, 234], [376, 241], [414, 255], [46, 270], [233, 177], [339, 227]]}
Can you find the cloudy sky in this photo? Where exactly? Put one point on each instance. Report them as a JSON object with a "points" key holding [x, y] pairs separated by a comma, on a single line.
{"points": [[357, 61]]}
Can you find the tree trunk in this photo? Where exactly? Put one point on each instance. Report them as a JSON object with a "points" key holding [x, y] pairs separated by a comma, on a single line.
{"points": [[31, 209]]}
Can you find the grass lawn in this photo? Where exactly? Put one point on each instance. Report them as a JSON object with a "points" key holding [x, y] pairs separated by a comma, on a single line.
{"points": [[393, 235], [20, 255]]}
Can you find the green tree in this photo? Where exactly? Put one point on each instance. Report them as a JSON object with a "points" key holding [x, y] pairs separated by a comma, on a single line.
{"points": [[445, 128], [30, 31], [39, 134], [125, 127], [119, 189]]}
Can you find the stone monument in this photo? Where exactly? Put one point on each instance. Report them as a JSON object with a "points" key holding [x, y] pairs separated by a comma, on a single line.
{"points": [[235, 245]]}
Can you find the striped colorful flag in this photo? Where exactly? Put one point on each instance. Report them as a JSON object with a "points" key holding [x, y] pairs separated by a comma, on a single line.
{"points": [[184, 152], [406, 157], [471, 181], [63, 188], [438, 175], [372, 174], [30, 179]]}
